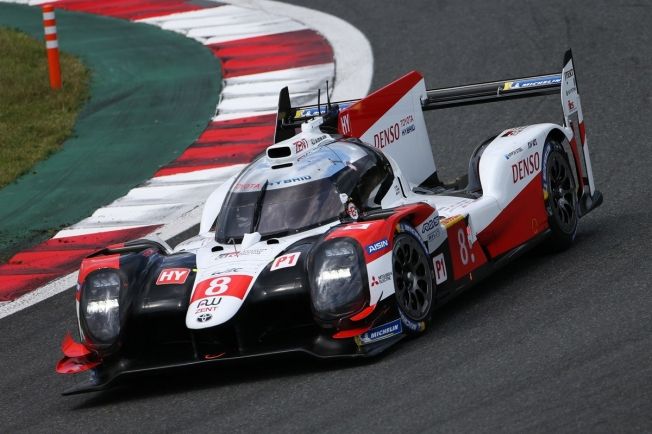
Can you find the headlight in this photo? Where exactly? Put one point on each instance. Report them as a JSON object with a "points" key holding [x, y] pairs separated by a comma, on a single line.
{"points": [[100, 306], [337, 274]]}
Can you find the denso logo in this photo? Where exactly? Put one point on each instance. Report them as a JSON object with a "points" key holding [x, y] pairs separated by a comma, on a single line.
{"points": [[387, 136], [377, 246], [525, 167]]}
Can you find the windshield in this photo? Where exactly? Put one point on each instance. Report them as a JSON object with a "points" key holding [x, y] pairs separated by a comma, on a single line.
{"points": [[276, 202]]}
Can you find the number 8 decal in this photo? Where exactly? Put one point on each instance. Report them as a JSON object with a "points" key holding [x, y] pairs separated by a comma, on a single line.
{"points": [[462, 242], [218, 286]]}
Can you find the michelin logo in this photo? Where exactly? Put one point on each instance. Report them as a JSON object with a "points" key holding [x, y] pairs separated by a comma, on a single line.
{"points": [[381, 332], [535, 83]]}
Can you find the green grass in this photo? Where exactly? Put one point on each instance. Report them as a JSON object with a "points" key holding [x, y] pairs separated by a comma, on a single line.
{"points": [[34, 119]]}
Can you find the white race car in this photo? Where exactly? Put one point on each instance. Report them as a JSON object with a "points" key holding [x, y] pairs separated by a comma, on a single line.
{"points": [[340, 239]]}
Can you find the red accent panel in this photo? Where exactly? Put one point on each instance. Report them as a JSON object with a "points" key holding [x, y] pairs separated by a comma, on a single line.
{"points": [[272, 53], [72, 349], [75, 365], [233, 285], [225, 143], [54, 258], [350, 333], [355, 120], [89, 265], [582, 133], [364, 313], [520, 221], [129, 9], [465, 257]]}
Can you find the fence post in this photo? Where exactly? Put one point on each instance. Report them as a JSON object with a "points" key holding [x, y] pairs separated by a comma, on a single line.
{"points": [[52, 46]]}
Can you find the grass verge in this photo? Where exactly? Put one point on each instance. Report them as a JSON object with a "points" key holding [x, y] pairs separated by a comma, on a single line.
{"points": [[34, 119]]}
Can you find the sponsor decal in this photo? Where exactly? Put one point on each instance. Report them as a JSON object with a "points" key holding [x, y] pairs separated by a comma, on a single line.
{"points": [[378, 246], [514, 152], [381, 332], [173, 276], [532, 144], [571, 91], [571, 105], [410, 324], [211, 301], [227, 271], [291, 180], [345, 124], [232, 286], [204, 317], [382, 278], [440, 268], [394, 132], [568, 74], [300, 146], [513, 131], [352, 211], [247, 187], [356, 227], [248, 252], [318, 139], [285, 261], [525, 167], [521, 84]]}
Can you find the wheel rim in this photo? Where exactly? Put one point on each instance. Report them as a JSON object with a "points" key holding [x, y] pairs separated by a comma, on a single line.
{"points": [[412, 278], [562, 193]]}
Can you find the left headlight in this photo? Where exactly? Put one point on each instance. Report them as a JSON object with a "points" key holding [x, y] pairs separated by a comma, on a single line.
{"points": [[100, 306], [337, 276]]}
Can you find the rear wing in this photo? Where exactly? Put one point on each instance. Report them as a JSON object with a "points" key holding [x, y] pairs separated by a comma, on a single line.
{"points": [[372, 118]]}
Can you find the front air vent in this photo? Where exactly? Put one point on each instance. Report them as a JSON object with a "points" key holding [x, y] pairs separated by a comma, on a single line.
{"points": [[279, 152]]}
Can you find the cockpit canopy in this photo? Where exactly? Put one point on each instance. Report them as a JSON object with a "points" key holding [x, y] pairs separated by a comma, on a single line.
{"points": [[304, 194]]}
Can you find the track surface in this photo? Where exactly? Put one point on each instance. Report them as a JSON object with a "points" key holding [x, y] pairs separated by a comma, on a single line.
{"points": [[553, 343]]}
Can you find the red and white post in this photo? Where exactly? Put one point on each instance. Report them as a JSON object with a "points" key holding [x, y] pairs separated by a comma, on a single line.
{"points": [[52, 46]]}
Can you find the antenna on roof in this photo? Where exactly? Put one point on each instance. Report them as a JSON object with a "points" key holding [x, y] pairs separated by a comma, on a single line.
{"points": [[319, 101], [328, 97]]}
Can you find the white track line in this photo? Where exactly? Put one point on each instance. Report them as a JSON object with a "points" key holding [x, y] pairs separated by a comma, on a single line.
{"points": [[176, 200]]}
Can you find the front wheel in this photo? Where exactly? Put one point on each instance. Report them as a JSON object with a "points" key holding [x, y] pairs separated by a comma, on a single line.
{"points": [[560, 196], [412, 280]]}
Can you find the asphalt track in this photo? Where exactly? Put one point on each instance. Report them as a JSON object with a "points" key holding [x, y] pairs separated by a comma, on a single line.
{"points": [[552, 343]]}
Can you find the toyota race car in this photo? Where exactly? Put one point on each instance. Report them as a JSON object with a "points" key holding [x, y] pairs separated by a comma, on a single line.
{"points": [[340, 239]]}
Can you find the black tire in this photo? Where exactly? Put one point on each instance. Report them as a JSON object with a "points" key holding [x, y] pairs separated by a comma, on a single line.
{"points": [[413, 281], [561, 196]]}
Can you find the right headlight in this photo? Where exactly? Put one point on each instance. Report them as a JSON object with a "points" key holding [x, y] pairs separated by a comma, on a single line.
{"points": [[100, 306], [337, 279]]}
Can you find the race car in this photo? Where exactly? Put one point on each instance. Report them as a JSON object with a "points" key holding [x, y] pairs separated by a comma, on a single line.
{"points": [[339, 240]]}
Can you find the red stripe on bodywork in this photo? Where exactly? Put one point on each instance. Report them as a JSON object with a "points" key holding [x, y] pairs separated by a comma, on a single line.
{"points": [[70, 348], [55, 258], [272, 53], [225, 143], [364, 113], [521, 220]]}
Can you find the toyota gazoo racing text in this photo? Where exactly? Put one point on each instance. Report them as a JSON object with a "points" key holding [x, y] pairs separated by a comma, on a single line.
{"points": [[340, 240]]}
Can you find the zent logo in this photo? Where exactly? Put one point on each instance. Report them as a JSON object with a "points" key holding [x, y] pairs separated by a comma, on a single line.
{"points": [[440, 268], [173, 276], [285, 261], [300, 145]]}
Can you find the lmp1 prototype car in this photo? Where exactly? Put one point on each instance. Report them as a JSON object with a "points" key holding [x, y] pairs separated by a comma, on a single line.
{"points": [[339, 240]]}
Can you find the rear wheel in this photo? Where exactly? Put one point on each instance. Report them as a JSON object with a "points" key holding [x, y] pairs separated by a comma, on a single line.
{"points": [[561, 196], [412, 279]]}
